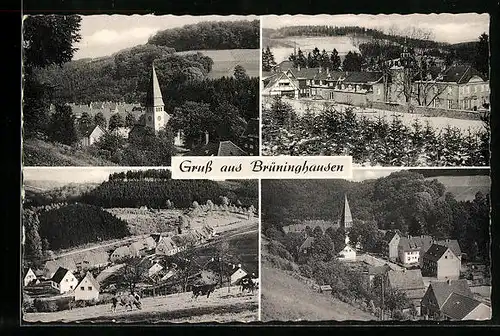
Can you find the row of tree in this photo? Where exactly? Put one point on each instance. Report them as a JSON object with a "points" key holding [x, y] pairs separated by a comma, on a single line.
{"points": [[157, 174], [370, 141], [210, 35], [404, 200]]}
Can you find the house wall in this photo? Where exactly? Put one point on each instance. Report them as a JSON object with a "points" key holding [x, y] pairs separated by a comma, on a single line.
{"points": [[448, 267], [350, 98], [429, 304], [95, 136], [86, 291], [68, 283], [237, 275], [474, 93], [408, 257], [393, 248]]}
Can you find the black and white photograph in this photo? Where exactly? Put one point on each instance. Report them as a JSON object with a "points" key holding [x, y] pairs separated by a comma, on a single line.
{"points": [[135, 90], [117, 245], [389, 244], [388, 90]]}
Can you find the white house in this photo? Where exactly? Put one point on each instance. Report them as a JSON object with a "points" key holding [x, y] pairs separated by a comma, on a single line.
{"points": [[237, 275], [347, 253], [29, 277], [64, 280], [154, 269], [92, 136], [87, 289], [166, 246]]}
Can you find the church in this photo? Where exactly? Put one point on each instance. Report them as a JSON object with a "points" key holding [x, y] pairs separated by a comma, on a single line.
{"points": [[348, 252]]}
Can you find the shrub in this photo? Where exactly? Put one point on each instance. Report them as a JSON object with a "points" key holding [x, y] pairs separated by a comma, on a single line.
{"points": [[45, 306], [278, 249]]}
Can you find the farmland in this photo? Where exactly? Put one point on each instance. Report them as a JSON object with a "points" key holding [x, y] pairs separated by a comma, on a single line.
{"points": [[226, 60], [220, 307]]}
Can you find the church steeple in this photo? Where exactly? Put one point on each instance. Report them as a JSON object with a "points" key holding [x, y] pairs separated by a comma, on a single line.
{"points": [[156, 117], [346, 217]]}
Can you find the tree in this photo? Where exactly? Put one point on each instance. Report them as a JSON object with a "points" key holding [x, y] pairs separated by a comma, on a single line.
{"points": [[116, 121], [240, 73], [268, 62], [482, 59], [33, 244], [365, 233], [47, 40], [283, 113], [130, 120], [335, 61], [100, 120], [113, 143], [133, 273], [352, 62], [62, 126]]}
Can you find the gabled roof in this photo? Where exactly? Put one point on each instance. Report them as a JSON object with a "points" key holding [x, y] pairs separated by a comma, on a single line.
{"points": [[458, 306], [59, 275], [443, 289], [167, 242], [346, 215], [418, 243], [459, 74], [92, 280], [362, 76], [452, 244], [122, 250], [91, 130], [65, 262], [406, 280], [389, 235], [275, 79], [228, 148], [153, 95], [26, 270], [435, 252], [307, 243]]}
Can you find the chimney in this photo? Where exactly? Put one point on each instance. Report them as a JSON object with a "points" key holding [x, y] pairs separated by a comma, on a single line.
{"points": [[207, 138], [239, 265], [298, 67]]}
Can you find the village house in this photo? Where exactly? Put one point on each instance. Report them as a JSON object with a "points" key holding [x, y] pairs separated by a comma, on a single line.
{"points": [[154, 269], [306, 246], [92, 136], [374, 271], [121, 131], [439, 261], [166, 246], [237, 274], [411, 249], [438, 293], [217, 148], [29, 277], [87, 289], [347, 253], [453, 245], [391, 243], [410, 282], [64, 280], [120, 254], [459, 307]]}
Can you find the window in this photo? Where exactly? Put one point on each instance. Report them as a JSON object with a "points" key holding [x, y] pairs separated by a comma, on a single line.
{"points": [[378, 91], [159, 118], [67, 280], [82, 288], [475, 88], [71, 287], [90, 288], [450, 104]]}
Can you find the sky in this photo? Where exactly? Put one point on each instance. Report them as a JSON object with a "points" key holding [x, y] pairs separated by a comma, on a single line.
{"points": [[451, 28], [362, 174], [103, 35], [71, 174]]}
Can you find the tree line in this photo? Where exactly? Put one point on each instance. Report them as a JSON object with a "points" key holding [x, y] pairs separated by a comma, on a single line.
{"points": [[159, 174], [403, 200], [210, 35], [377, 141]]}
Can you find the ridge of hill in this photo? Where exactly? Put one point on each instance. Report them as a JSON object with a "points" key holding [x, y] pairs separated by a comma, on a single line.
{"points": [[464, 188]]}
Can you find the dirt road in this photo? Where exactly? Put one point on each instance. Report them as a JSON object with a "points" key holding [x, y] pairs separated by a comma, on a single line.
{"points": [[221, 306]]}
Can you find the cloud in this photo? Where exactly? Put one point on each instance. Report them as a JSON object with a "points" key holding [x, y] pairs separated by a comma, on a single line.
{"points": [[107, 36], [361, 174]]}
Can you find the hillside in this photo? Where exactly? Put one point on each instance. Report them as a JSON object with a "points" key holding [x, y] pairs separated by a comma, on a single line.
{"points": [[464, 188], [41, 153], [286, 298]]}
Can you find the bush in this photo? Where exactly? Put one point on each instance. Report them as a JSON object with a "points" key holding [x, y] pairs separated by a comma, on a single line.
{"points": [[45, 306], [278, 249]]}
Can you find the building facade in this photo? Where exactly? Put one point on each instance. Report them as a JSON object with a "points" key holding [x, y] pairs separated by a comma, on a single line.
{"points": [[440, 262]]}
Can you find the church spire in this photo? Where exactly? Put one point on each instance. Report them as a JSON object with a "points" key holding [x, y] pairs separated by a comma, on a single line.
{"points": [[154, 97], [346, 217]]}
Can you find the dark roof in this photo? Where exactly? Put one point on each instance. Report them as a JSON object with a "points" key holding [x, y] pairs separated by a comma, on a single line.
{"points": [[274, 79], [443, 289], [376, 270], [228, 148], [459, 74], [452, 244], [307, 73], [458, 306], [330, 75], [435, 252], [362, 76], [59, 275], [209, 149], [406, 280], [389, 235], [418, 243]]}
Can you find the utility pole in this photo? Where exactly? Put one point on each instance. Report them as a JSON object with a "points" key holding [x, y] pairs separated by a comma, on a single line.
{"points": [[383, 303]]}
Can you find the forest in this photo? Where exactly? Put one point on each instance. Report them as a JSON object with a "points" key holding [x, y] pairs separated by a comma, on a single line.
{"points": [[210, 35], [58, 227], [403, 200]]}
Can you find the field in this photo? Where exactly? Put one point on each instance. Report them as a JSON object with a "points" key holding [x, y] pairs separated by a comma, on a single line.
{"points": [[464, 188], [438, 123], [283, 47], [222, 306], [41, 153], [226, 60]]}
